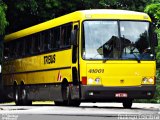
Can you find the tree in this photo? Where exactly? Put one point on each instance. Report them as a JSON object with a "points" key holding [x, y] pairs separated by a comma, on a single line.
{"points": [[137, 5], [153, 10], [3, 24], [3, 21], [25, 13]]}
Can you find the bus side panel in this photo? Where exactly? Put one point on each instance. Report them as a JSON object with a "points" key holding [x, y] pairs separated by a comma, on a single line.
{"points": [[42, 75]]}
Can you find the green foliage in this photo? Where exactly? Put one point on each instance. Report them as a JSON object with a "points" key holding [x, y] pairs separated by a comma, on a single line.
{"points": [[158, 49], [137, 5], [154, 11], [3, 21], [31, 12], [3, 24]]}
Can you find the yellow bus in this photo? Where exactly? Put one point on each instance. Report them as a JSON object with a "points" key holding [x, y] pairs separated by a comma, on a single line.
{"points": [[85, 56]]}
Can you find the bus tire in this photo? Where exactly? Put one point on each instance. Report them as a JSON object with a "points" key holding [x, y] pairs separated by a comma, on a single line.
{"points": [[17, 96], [71, 102], [127, 103], [24, 97], [66, 95]]}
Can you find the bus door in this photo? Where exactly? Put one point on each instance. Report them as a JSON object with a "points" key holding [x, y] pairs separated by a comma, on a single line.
{"points": [[75, 92]]}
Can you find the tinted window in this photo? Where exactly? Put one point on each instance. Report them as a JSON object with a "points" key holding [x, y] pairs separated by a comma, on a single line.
{"points": [[28, 46], [65, 35], [56, 40], [6, 51], [52, 39]]}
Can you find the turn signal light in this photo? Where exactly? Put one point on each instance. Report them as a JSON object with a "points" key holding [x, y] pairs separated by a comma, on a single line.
{"points": [[84, 80]]}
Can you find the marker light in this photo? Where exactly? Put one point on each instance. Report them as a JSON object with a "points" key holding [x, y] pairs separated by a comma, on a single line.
{"points": [[88, 16], [148, 80]]}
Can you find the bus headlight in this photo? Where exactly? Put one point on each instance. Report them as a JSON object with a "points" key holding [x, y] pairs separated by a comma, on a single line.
{"points": [[90, 81], [151, 80], [148, 80], [144, 80], [96, 81]]}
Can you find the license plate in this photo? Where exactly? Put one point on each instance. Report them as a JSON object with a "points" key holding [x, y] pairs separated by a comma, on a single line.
{"points": [[121, 95]]}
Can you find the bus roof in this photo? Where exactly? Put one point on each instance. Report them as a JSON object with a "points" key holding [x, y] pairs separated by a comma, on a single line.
{"points": [[79, 16]]}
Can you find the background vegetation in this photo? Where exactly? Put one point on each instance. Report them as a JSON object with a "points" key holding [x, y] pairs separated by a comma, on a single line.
{"points": [[19, 14], [3, 21]]}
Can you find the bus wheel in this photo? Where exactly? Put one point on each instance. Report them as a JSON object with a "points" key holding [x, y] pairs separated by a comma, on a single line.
{"points": [[71, 102], [24, 97], [17, 96], [127, 103], [66, 94]]}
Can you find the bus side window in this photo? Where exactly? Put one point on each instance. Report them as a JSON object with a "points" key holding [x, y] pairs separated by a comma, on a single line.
{"points": [[41, 42], [68, 35], [65, 35], [62, 36], [56, 40], [18, 52], [36, 43], [23, 47], [15, 49], [46, 41], [28, 46], [6, 51], [51, 39], [20, 47], [11, 51]]}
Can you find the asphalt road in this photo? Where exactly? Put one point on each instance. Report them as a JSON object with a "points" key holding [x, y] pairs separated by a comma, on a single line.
{"points": [[86, 111]]}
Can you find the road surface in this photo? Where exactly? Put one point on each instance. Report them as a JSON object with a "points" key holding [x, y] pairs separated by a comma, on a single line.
{"points": [[86, 111]]}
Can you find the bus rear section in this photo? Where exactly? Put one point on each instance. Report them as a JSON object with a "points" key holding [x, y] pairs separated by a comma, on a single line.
{"points": [[118, 61]]}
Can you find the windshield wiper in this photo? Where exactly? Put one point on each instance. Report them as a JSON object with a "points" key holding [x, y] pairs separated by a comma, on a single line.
{"points": [[136, 57], [105, 59]]}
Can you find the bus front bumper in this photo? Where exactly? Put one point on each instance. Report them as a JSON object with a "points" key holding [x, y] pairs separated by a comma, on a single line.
{"points": [[101, 93]]}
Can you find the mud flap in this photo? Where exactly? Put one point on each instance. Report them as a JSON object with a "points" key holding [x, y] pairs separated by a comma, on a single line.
{"points": [[75, 95]]}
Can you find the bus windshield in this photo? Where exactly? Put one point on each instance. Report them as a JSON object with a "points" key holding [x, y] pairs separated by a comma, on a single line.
{"points": [[117, 40]]}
